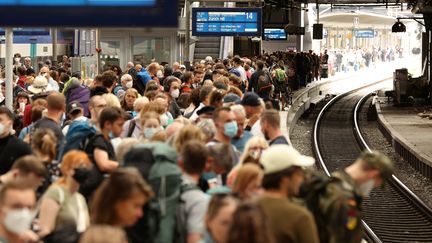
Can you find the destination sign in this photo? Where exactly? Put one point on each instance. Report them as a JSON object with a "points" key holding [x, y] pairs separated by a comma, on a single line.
{"points": [[226, 21], [274, 34]]}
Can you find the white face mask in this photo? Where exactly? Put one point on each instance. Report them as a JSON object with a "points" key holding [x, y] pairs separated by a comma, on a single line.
{"points": [[366, 187], [160, 74], [18, 221], [175, 93], [129, 84]]}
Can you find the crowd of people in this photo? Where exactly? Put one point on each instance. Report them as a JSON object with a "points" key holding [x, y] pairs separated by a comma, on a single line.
{"points": [[169, 153]]}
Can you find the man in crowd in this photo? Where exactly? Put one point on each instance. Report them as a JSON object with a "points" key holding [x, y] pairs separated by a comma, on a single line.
{"points": [[96, 105], [193, 206], [283, 175], [56, 106], [270, 127], [253, 106], [11, 148], [17, 201], [198, 77], [338, 216], [242, 136], [28, 169]]}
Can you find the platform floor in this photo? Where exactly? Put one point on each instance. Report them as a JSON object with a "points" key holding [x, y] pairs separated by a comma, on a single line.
{"points": [[405, 124]]}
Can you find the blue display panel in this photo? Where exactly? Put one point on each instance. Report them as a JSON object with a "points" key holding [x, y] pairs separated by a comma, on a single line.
{"points": [[274, 34], [366, 33], [89, 13], [226, 22], [106, 3]]}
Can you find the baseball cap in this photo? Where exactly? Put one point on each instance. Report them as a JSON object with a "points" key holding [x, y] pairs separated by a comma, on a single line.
{"points": [[73, 106], [231, 98], [281, 156], [378, 161], [251, 99]]}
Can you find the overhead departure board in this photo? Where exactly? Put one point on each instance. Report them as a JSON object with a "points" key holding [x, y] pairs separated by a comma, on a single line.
{"points": [[274, 34], [78, 2], [89, 13], [226, 21]]}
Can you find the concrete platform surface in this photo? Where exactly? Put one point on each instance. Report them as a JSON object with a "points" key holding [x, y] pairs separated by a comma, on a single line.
{"points": [[407, 129]]}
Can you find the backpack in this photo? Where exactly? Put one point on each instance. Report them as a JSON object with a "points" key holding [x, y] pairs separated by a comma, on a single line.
{"points": [[280, 75], [80, 93], [157, 163], [78, 135], [312, 189], [181, 233]]}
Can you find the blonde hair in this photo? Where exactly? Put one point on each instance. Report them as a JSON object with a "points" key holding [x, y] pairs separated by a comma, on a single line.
{"points": [[188, 133], [103, 234], [246, 174], [253, 142], [44, 141], [111, 100]]}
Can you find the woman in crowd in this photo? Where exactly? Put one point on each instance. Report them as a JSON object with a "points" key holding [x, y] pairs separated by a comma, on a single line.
{"points": [[150, 124], [119, 200], [219, 217], [249, 225], [216, 98], [62, 205], [43, 144], [247, 184], [127, 103], [251, 154]]}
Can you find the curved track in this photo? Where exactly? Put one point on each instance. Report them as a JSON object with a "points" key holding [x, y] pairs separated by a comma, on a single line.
{"points": [[391, 215]]}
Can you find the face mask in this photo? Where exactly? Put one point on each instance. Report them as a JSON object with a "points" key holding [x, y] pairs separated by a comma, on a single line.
{"points": [[81, 174], [2, 128], [160, 74], [175, 93], [255, 154], [129, 84], [230, 129], [111, 135], [18, 221], [366, 187], [149, 132], [163, 120]]}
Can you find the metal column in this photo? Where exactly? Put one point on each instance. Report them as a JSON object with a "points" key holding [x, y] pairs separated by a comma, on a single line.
{"points": [[54, 45], [187, 32], [9, 68]]}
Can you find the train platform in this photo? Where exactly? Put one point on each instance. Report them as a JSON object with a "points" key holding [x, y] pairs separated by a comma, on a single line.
{"points": [[409, 132]]}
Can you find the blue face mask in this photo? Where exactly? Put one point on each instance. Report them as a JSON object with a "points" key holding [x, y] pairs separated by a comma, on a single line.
{"points": [[149, 132], [230, 129], [111, 135]]}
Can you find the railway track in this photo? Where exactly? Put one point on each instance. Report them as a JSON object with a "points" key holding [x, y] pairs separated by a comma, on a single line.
{"points": [[393, 214]]}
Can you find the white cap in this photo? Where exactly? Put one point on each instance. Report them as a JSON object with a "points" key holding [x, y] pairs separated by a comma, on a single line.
{"points": [[280, 157]]}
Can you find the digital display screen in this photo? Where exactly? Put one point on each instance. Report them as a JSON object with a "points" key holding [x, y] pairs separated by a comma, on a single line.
{"points": [[226, 21], [274, 34], [365, 33], [89, 13]]}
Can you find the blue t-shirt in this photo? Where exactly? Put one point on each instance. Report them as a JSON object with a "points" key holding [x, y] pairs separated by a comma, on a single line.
{"points": [[144, 76], [240, 143]]}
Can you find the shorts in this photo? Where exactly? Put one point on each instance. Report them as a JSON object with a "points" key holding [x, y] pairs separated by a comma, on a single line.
{"points": [[280, 87]]}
